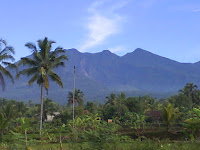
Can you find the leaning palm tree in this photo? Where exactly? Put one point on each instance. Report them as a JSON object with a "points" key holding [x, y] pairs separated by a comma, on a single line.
{"points": [[6, 57], [41, 66]]}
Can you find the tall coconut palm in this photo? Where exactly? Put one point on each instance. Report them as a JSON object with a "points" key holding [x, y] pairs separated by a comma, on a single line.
{"points": [[6, 57], [41, 66]]}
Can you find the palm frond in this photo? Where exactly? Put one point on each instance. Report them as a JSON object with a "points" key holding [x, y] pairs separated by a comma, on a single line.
{"points": [[7, 57], [3, 41], [37, 56], [2, 81], [7, 50], [10, 65], [31, 46], [54, 77], [56, 65], [6, 73], [28, 72], [49, 45], [33, 79], [60, 58], [57, 51], [27, 61]]}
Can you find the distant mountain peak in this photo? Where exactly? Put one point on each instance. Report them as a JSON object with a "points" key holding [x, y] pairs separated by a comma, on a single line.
{"points": [[106, 51], [140, 50], [73, 50]]}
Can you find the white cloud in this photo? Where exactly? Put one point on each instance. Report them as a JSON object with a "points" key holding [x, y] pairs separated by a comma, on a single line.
{"points": [[117, 49], [102, 23]]}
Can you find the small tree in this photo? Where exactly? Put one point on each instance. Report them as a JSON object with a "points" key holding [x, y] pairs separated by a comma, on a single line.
{"points": [[169, 114]]}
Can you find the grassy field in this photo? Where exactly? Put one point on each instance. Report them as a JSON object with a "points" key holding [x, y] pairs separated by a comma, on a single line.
{"points": [[136, 145]]}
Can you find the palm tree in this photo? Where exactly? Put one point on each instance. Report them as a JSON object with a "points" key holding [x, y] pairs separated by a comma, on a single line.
{"points": [[78, 97], [41, 66], [6, 55], [111, 99], [190, 90]]}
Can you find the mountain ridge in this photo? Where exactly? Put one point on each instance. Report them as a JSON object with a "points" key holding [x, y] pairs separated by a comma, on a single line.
{"points": [[99, 74]]}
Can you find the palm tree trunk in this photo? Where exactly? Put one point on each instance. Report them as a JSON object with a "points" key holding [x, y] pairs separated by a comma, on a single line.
{"points": [[60, 138], [41, 110], [25, 134]]}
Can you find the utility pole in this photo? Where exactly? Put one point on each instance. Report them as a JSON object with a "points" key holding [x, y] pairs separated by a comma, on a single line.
{"points": [[74, 92]]}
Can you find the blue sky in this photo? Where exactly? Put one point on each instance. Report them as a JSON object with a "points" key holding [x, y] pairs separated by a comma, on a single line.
{"points": [[169, 28]]}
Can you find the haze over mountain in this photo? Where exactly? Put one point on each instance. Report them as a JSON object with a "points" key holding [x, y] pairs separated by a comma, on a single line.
{"points": [[98, 74]]}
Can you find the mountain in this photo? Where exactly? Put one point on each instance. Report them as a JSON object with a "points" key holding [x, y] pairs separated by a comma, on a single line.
{"points": [[98, 74]]}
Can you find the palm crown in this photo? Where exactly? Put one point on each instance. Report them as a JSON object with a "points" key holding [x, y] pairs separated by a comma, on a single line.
{"points": [[43, 62]]}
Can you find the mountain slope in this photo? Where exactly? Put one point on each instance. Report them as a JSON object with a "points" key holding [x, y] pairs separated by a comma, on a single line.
{"points": [[98, 74]]}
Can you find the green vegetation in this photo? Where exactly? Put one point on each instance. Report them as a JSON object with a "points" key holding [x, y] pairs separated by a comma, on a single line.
{"points": [[121, 122]]}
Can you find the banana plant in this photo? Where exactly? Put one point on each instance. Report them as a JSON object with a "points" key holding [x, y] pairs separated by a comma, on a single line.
{"points": [[23, 128], [192, 125], [197, 111], [59, 130], [169, 114], [138, 124]]}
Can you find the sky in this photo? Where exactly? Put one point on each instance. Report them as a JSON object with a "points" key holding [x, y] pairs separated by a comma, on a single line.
{"points": [[169, 28]]}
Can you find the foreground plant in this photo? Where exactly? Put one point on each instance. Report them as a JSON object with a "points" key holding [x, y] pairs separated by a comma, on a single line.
{"points": [[169, 115], [192, 125], [41, 66], [6, 57], [3, 125]]}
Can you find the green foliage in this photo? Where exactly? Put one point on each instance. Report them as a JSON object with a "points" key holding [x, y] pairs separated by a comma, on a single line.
{"points": [[169, 114], [197, 111], [192, 125], [6, 57], [43, 62], [78, 97], [135, 145], [3, 125], [90, 129]]}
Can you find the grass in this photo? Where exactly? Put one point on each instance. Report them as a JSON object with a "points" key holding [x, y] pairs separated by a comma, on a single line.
{"points": [[136, 145]]}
